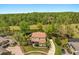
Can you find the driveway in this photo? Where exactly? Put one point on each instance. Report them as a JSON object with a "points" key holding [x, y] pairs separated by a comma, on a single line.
{"points": [[52, 48], [15, 50]]}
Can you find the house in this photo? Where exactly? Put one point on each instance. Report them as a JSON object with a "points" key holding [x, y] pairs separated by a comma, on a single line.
{"points": [[75, 47], [74, 43], [39, 38], [5, 42]]}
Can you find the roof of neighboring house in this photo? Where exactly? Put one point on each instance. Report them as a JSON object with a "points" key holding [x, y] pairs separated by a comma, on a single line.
{"points": [[39, 35], [75, 45], [2, 39]]}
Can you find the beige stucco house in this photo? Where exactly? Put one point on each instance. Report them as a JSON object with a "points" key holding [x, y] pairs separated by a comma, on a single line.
{"points": [[39, 37]]}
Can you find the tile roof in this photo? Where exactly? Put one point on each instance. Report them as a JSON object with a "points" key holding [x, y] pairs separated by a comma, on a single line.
{"points": [[39, 37], [42, 41], [39, 34]]}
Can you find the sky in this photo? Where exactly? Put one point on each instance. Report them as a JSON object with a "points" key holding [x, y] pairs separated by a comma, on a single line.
{"points": [[28, 8]]}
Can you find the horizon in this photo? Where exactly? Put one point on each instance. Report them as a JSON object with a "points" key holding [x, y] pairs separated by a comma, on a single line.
{"points": [[40, 8], [41, 12]]}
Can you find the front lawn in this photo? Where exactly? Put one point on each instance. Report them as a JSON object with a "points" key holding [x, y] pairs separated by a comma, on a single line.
{"points": [[30, 48]]}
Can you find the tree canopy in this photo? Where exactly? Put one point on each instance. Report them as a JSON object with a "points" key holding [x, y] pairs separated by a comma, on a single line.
{"points": [[44, 18]]}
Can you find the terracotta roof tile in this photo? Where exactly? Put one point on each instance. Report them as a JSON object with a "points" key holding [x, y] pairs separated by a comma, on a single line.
{"points": [[39, 34], [42, 41]]}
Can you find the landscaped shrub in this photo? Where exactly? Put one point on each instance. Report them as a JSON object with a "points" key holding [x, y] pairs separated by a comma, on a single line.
{"points": [[64, 42], [58, 41], [37, 44], [48, 44]]}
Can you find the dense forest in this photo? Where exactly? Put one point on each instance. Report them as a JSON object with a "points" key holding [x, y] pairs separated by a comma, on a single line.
{"points": [[53, 19], [44, 18]]}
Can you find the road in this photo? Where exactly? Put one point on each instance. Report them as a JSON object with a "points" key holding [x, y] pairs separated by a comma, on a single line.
{"points": [[52, 48]]}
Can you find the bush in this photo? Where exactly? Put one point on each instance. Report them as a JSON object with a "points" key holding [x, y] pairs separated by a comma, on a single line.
{"points": [[64, 42], [48, 44], [36, 44], [58, 41]]}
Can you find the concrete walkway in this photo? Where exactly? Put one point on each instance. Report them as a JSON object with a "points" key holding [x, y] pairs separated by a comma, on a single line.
{"points": [[52, 48], [15, 50]]}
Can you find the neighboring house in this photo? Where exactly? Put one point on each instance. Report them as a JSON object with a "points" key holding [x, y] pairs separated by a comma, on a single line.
{"points": [[75, 47], [74, 43], [39, 38], [4, 42]]}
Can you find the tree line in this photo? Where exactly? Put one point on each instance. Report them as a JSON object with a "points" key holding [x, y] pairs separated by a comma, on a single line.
{"points": [[57, 21], [35, 18]]}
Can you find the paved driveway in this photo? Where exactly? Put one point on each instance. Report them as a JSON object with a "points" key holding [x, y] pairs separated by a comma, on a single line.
{"points": [[15, 50], [52, 48]]}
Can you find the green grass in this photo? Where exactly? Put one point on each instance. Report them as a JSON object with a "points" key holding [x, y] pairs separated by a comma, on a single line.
{"points": [[34, 27], [30, 48], [57, 49], [14, 28]]}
